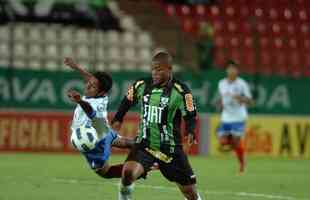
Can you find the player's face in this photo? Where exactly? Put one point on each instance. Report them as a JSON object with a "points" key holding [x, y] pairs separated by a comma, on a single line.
{"points": [[92, 87], [232, 72], [160, 72]]}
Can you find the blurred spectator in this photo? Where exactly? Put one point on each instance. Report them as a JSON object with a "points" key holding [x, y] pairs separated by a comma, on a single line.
{"points": [[3, 14], [205, 46], [106, 19], [86, 13]]}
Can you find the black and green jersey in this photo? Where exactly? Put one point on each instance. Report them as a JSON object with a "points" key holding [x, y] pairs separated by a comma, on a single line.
{"points": [[161, 112]]}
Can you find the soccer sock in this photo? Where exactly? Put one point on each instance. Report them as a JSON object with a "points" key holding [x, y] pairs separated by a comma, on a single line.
{"points": [[125, 192], [114, 171], [239, 150], [199, 198]]}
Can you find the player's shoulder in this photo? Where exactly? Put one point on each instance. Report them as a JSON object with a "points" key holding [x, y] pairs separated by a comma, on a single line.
{"points": [[222, 82], [180, 86], [242, 81], [140, 82]]}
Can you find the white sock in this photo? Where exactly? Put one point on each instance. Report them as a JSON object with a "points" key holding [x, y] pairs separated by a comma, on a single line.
{"points": [[125, 192]]}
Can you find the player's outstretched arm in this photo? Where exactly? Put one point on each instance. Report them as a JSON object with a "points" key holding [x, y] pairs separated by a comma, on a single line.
{"points": [[120, 114], [71, 63], [218, 104], [189, 113], [76, 97], [128, 101]]}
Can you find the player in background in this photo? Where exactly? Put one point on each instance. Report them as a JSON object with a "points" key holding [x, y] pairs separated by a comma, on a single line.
{"points": [[91, 110], [235, 96], [164, 102]]}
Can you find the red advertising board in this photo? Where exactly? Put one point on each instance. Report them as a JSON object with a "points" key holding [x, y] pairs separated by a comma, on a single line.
{"points": [[46, 132], [50, 131]]}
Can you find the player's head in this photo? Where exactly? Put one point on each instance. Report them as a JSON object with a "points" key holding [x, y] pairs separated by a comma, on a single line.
{"points": [[100, 83], [232, 70], [161, 67]]}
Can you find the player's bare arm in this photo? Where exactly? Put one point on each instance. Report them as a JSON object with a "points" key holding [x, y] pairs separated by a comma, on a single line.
{"points": [[126, 103], [190, 120], [71, 63], [218, 104], [75, 97]]}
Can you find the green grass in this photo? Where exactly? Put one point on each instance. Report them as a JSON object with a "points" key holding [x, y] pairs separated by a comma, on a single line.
{"points": [[66, 177]]}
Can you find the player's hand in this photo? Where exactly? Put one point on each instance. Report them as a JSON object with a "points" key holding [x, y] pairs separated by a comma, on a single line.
{"points": [[70, 62], [116, 125], [190, 140], [74, 96]]}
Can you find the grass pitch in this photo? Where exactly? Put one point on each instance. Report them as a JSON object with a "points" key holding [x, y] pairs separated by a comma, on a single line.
{"points": [[67, 177]]}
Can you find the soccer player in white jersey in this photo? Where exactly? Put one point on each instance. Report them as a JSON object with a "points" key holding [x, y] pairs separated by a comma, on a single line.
{"points": [[91, 110], [235, 96]]}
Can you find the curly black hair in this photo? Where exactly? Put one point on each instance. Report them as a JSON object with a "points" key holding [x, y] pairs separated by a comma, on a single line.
{"points": [[105, 81]]}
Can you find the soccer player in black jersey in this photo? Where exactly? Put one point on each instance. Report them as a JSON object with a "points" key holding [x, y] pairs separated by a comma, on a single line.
{"points": [[164, 102]]}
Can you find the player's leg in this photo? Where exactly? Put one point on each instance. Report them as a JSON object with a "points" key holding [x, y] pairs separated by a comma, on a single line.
{"points": [[132, 170], [180, 172], [110, 171], [225, 142], [238, 145], [190, 192], [99, 156], [138, 163], [239, 150], [224, 136]]}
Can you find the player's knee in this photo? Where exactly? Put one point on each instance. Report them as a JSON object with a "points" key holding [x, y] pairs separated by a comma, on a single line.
{"points": [[128, 176], [236, 143], [223, 141]]}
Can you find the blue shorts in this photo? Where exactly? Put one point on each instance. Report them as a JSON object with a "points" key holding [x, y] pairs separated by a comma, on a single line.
{"points": [[231, 128], [97, 157]]}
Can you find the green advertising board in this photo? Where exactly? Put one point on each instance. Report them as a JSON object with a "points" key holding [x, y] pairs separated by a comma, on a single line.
{"points": [[43, 90]]}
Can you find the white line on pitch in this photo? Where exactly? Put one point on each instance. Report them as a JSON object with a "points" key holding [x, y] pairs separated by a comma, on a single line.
{"points": [[238, 194]]}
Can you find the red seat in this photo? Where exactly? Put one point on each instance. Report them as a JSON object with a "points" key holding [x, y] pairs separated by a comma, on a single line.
{"points": [[220, 57], [276, 32], [170, 10]]}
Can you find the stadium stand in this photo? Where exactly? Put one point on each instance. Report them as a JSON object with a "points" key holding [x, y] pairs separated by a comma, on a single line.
{"points": [[36, 45], [263, 36]]}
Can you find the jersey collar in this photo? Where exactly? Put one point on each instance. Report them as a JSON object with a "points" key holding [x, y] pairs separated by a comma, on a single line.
{"points": [[96, 97]]}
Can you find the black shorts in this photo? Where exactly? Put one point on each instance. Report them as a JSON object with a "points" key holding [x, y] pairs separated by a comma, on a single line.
{"points": [[178, 170]]}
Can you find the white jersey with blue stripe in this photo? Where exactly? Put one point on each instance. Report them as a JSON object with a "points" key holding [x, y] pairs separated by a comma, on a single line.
{"points": [[233, 111], [99, 105]]}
